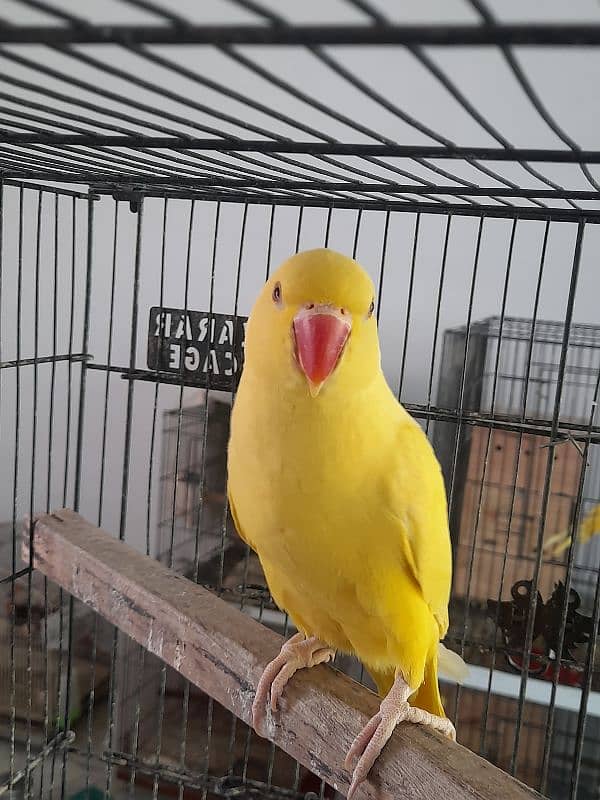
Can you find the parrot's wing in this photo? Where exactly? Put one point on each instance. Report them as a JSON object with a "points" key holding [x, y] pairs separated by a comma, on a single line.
{"points": [[416, 500], [236, 521]]}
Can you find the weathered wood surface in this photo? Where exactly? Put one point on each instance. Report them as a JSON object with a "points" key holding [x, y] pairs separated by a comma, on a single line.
{"points": [[224, 652]]}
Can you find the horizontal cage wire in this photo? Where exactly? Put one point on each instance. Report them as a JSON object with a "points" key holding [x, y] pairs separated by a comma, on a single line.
{"points": [[157, 162]]}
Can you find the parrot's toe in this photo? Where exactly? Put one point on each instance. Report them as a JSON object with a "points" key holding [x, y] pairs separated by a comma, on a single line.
{"points": [[297, 653], [359, 744], [372, 739]]}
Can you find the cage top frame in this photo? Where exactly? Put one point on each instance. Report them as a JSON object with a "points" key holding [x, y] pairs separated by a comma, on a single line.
{"points": [[537, 330], [61, 129]]}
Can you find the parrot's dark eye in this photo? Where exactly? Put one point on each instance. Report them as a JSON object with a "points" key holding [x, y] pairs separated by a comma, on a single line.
{"points": [[371, 309], [277, 293]]}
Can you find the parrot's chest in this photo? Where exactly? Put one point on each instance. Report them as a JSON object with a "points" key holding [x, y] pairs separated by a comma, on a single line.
{"points": [[309, 497], [300, 492], [303, 518], [315, 560], [311, 493], [309, 509], [325, 563]]}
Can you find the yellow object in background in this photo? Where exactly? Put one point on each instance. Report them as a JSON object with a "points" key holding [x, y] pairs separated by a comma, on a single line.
{"points": [[589, 526], [337, 489]]}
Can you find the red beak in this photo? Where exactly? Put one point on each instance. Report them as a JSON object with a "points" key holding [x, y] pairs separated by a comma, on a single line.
{"points": [[321, 332]]}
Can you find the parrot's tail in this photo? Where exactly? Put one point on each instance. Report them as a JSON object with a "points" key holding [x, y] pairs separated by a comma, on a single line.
{"points": [[383, 680], [451, 665], [427, 696]]}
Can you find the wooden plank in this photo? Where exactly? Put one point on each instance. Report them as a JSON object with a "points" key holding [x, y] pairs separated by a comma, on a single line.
{"points": [[224, 652]]}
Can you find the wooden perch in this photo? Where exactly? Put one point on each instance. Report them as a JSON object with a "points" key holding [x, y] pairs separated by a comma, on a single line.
{"points": [[223, 652]]}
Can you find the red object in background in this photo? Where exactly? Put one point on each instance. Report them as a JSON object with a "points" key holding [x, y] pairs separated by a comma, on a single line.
{"points": [[539, 668]]}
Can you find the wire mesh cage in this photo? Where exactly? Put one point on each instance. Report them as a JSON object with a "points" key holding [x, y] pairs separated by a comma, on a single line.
{"points": [[156, 163], [504, 494]]}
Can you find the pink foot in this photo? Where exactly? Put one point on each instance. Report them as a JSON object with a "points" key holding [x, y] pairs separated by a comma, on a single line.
{"points": [[297, 653], [371, 740]]}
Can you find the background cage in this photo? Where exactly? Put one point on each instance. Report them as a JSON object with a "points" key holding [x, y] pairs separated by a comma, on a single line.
{"points": [[498, 475], [159, 158]]}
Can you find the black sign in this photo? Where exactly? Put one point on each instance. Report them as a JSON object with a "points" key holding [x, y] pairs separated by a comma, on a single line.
{"points": [[205, 349]]}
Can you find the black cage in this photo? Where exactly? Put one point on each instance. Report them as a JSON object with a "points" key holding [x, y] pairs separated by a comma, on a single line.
{"points": [[156, 161]]}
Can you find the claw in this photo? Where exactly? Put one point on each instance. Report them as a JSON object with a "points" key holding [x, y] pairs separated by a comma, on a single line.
{"points": [[358, 745]]}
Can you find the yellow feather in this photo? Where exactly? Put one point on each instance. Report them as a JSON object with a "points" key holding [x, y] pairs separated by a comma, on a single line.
{"points": [[340, 495], [589, 526]]}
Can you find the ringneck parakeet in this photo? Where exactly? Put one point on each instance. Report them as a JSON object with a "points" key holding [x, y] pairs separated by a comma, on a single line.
{"points": [[588, 527], [336, 488]]}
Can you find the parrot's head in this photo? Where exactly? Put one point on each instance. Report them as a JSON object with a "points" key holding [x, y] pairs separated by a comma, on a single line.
{"points": [[313, 325]]}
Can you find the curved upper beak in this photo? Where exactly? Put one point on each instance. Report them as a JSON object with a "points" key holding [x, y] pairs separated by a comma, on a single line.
{"points": [[320, 334]]}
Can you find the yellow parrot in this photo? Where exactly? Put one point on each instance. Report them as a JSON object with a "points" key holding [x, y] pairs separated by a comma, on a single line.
{"points": [[336, 488], [589, 526]]}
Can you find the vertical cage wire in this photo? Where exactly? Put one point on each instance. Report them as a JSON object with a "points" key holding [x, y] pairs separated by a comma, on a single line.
{"points": [[37, 366]]}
